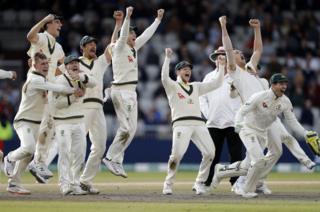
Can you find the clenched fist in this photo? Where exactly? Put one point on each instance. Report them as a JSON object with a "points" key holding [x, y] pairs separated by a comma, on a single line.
{"points": [[223, 20], [255, 23], [169, 52], [160, 13]]}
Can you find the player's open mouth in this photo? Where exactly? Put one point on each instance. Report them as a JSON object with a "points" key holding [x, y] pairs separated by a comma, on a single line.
{"points": [[187, 75]]}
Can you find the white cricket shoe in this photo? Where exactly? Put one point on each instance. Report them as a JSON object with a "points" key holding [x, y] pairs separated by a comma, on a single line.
{"points": [[77, 190], [121, 170], [89, 188], [17, 189], [40, 172], [8, 167], [65, 189], [167, 189], [112, 166], [246, 194], [200, 188], [263, 189], [309, 164]]}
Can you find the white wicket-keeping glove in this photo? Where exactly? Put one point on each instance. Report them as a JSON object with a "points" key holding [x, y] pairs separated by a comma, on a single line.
{"points": [[238, 127], [313, 142], [107, 94]]}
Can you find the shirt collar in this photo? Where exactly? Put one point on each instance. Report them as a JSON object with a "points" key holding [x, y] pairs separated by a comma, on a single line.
{"points": [[179, 80], [51, 38]]}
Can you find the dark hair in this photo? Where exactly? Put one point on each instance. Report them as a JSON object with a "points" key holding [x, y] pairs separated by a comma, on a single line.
{"points": [[39, 56]]}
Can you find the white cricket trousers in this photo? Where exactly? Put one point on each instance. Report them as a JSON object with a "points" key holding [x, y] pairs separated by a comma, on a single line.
{"points": [[72, 151], [95, 123], [28, 133], [126, 107], [180, 141], [46, 136]]}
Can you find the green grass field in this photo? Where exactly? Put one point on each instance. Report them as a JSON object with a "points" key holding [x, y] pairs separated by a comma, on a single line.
{"points": [[142, 192]]}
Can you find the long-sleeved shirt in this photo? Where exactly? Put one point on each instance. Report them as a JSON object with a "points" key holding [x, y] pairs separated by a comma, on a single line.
{"points": [[247, 83], [184, 98], [34, 97], [263, 108], [5, 74], [96, 68], [217, 106], [53, 50], [68, 107], [125, 58]]}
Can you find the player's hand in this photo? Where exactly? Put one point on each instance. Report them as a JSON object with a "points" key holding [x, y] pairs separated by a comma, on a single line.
{"points": [[223, 20], [238, 127], [129, 11], [14, 75], [221, 59], [118, 16], [79, 92], [107, 94], [160, 14], [169, 52], [255, 23], [48, 18], [313, 141]]}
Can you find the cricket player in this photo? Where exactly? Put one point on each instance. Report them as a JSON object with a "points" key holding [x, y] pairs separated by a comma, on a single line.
{"points": [[253, 120], [94, 117], [187, 122], [246, 83], [219, 108], [6, 75], [27, 121], [45, 42], [123, 90], [70, 127]]}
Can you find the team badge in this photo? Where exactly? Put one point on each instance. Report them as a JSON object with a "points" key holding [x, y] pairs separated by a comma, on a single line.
{"points": [[190, 102]]}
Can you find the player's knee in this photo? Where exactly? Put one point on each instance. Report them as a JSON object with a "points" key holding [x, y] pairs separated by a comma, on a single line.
{"points": [[260, 163], [208, 155], [29, 149]]}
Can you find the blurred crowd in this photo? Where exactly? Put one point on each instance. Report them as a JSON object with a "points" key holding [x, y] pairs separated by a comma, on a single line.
{"points": [[290, 30]]}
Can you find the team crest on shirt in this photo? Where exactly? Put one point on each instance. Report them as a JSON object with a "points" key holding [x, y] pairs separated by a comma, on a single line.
{"points": [[130, 59], [264, 105], [190, 102], [181, 96]]}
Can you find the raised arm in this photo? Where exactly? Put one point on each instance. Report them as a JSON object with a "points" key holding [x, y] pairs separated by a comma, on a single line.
{"points": [[147, 34], [165, 77], [204, 102], [32, 35], [118, 16], [257, 46], [8, 74], [226, 41], [124, 33]]}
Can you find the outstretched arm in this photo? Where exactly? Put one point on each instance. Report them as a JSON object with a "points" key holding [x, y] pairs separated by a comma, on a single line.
{"points": [[147, 34], [257, 46], [226, 41], [8, 74], [32, 35]]}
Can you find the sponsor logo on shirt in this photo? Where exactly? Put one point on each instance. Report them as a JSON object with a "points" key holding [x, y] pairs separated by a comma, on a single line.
{"points": [[181, 96], [190, 102], [130, 59]]}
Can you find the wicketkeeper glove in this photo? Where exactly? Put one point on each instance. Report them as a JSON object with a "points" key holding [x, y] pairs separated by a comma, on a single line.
{"points": [[313, 141]]}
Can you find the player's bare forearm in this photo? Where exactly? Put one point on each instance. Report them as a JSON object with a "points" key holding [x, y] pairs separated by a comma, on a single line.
{"points": [[32, 35]]}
